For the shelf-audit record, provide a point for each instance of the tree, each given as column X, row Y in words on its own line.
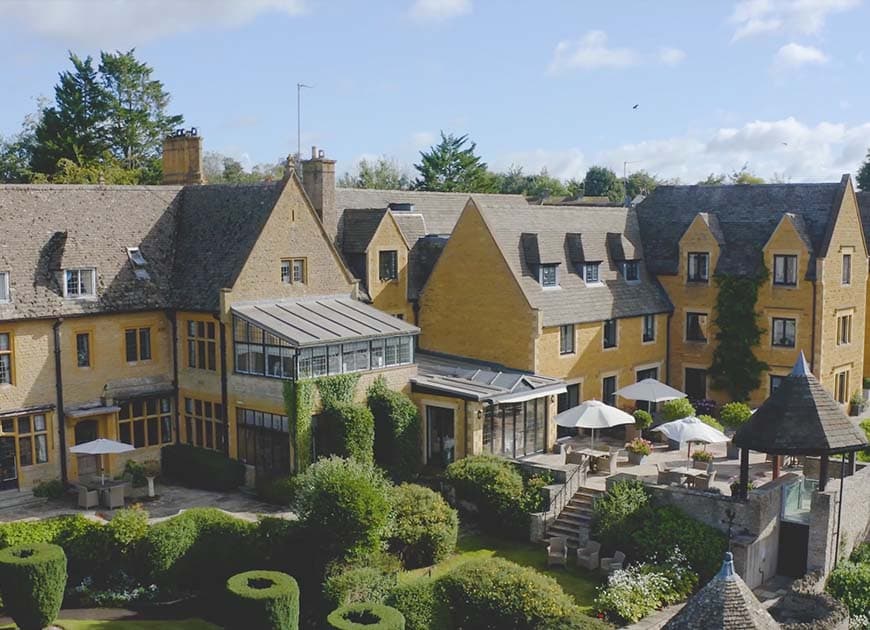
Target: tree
column 381, row 174
column 575, row 187
column 745, row 176
column 713, row 180
column 16, row 151
column 864, row 174
column 137, row 103
column 512, row 181
column 452, row 166
column 542, row 185
column 640, row 183
column 223, row 169
column 602, row 182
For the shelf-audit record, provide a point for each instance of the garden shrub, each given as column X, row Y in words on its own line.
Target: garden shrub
column 359, row 584
column 397, row 431
column 53, row 489
column 676, row 409
column 864, row 455
column 347, row 503
column 734, row 414
column 263, row 599
column 32, row 583
column 276, row 490
column 642, row 419
column 348, row 430
column 850, row 583
column 135, row 472
column 533, row 499
column 336, row 389
column 366, row 616
column 495, row 487
column 616, row 513
column 493, row 593
column 632, row 593
column 861, row 553
column 711, row 421
column 419, row 603
column 425, row 527
column 201, row 467
column 704, row 406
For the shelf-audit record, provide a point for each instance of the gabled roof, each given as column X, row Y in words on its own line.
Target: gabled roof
column 47, row 228
column 357, row 227
column 556, row 229
column 800, row 418
column 746, row 214
column 864, row 209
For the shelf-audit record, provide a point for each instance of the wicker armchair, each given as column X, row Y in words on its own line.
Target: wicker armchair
column 587, row 557
column 609, row 565
column 557, row 552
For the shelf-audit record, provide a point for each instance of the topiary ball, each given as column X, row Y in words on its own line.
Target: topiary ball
column 263, row 599
column 366, row 617
column 32, row 582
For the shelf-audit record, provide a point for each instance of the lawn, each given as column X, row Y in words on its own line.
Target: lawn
column 578, row 583
column 188, row 624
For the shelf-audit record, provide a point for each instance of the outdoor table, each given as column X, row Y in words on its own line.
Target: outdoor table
column 689, row 473
column 102, row 487
column 591, row 452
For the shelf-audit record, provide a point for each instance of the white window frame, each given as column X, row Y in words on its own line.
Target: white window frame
column 636, row 265
column 285, row 271
column 773, row 336
column 692, row 264
column 592, row 267
column 555, row 269
column 5, row 289
column 567, row 339
column 615, row 334
column 643, row 328
column 785, row 258
column 91, row 292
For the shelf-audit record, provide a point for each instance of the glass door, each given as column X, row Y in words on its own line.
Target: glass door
column 441, row 443
column 8, row 468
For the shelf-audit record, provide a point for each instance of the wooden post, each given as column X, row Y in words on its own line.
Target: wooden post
column 823, row 472
column 744, row 473
column 777, row 461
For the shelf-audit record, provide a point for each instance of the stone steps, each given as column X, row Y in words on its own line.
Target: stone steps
column 574, row 520
column 18, row 499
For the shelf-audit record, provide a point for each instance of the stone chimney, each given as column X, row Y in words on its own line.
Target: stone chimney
column 318, row 179
column 182, row 158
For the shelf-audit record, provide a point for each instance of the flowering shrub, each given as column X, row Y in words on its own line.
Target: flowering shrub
column 850, row 583
column 639, row 446
column 702, row 456
column 123, row 591
column 633, row 593
column 704, row 406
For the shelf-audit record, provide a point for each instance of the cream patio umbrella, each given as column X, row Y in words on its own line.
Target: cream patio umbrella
column 101, row 446
column 593, row 414
column 690, row 430
column 649, row 389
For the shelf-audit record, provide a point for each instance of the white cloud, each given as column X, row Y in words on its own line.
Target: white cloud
column 126, row 23
column 439, row 10
column 422, row 139
column 756, row 17
column 788, row 147
column 589, row 53
column 794, row 55
column 671, row 56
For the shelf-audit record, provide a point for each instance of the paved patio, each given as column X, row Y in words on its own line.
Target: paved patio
column 170, row 501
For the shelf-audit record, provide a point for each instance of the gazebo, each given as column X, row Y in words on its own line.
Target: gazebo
column 799, row 418
column 725, row 603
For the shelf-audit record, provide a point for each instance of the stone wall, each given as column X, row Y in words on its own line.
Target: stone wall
column 807, row 607
column 566, row 482
column 823, row 520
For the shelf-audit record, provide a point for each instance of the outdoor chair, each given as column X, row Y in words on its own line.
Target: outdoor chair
column 557, row 552
column 609, row 565
column 702, row 482
column 574, row 457
column 88, row 498
column 587, row 557
column 115, row 497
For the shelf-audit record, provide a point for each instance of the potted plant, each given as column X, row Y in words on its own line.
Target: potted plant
column 152, row 470
column 867, row 388
column 638, row 449
column 702, row 456
column 642, row 420
column 735, row 487
column 732, row 416
column 856, row 404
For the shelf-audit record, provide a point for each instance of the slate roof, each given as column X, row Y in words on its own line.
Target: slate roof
column 724, row 603
column 800, row 418
column 218, row 226
column 478, row 380
column 322, row 320
column 46, row 228
column 357, row 226
column 864, row 208
column 746, row 215
column 421, row 261
column 573, row 301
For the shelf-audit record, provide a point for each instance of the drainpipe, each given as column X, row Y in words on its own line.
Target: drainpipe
column 668, row 350
column 224, row 395
column 293, row 402
column 58, row 384
column 813, row 334
column 172, row 316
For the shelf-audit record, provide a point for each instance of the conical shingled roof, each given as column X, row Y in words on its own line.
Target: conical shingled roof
column 725, row 603
column 800, row 418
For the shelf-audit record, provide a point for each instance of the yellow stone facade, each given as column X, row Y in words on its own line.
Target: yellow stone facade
column 390, row 296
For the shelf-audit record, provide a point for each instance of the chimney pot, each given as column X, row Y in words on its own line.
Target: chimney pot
column 313, row 152
column 182, row 158
column 318, row 179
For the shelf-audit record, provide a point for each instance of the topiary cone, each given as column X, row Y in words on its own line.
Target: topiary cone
column 266, row 600
column 366, row 617
column 32, row 582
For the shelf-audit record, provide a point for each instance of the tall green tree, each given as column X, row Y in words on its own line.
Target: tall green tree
column 542, row 185
column 452, row 166
column 575, row 187
column 640, row 183
column 511, row 182
column 76, row 126
column 136, row 113
column 381, row 173
column 864, row 174
column 603, row 182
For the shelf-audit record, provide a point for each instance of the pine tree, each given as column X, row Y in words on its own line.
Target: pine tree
column 864, row 174
column 451, row 166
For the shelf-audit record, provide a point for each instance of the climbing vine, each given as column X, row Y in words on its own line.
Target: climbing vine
column 338, row 388
column 300, row 408
column 735, row 367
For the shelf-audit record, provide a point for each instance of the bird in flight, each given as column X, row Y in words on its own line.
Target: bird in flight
column 636, row 106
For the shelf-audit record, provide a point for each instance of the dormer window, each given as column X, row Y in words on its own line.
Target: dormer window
column 79, row 283
column 785, row 271
column 137, row 260
column 548, row 278
column 631, row 271
column 5, row 296
column 591, row 273
column 699, row 267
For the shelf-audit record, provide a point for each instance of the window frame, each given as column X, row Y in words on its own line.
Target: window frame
column 198, row 424
column 392, row 266
column 90, row 349
column 842, row 380
column 595, row 267
column 643, row 328
column 614, row 322
column 32, row 436
column 785, row 258
column 770, row 388
column 289, row 267
column 631, row 264
column 704, row 330
column 844, row 329
column 541, row 272
column 846, row 275
column 784, row 322
column 92, row 290
column 567, row 339
column 5, row 287
column 697, row 278
column 201, row 350
column 162, row 415
column 612, row 396
column 138, row 330
column 9, row 352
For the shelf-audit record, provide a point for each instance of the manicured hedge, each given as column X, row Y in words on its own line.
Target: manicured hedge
column 32, row 582
column 496, row 488
column 366, row 617
column 397, row 431
column 420, row 604
column 734, row 414
column 263, row 599
column 677, row 408
column 201, row 467
column 356, row 585
column 348, row 430
column 425, row 528
column 493, row 593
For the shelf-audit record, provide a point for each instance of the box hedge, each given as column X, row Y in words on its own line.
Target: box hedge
column 420, row 604
column 397, row 431
column 496, row 488
column 366, row 617
column 201, row 468
column 425, row 527
column 32, row 583
column 262, row 599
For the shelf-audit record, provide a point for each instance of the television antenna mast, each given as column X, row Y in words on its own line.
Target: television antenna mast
column 299, row 88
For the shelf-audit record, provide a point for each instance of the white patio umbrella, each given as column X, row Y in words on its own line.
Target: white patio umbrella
column 690, row 430
column 593, row 414
column 649, row 389
column 101, row 446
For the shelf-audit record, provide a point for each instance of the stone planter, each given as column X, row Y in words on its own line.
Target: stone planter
column 856, row 409
column 733, row 451
column 631, row 432
column 151, row 492
column 636, row 459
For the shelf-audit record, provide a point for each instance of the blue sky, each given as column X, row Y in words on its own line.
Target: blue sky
column 778, row 84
